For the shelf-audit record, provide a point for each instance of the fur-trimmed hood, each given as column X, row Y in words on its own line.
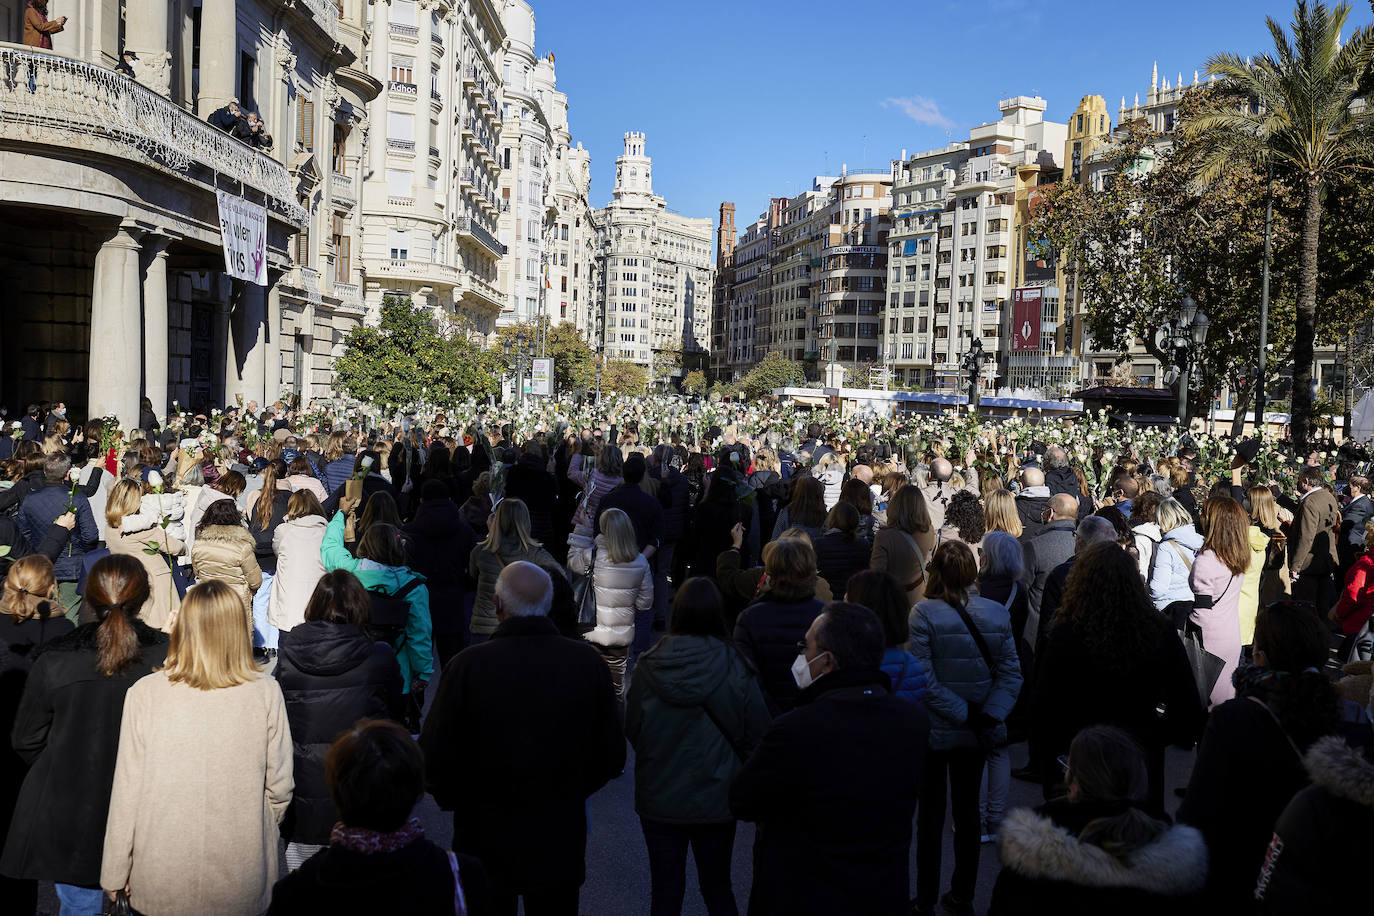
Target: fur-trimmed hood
column 1341, row 770
column 225, row 534
column 1032, row 845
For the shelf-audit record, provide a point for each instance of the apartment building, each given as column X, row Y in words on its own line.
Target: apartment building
column 430, row 202
column 958, row 248
column 721, row 292
column 850, row 285
column 110, row 191
column 654, row 273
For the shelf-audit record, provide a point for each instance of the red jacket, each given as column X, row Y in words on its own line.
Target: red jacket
column 1357, row 598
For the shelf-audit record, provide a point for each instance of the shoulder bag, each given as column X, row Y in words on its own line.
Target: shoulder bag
column 985, row 734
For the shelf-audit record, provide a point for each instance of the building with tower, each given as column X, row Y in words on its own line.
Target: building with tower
column 654, row 274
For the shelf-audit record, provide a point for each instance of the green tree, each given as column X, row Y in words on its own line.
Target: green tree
column 773, row 371
column 694, row 383
column 623, row 377
column 1295, row 112
column 574, row 362
column 405, row 359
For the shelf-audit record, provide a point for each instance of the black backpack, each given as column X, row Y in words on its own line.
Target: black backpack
column 390, row 612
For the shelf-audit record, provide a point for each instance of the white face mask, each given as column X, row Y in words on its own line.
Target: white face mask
column 801, row 670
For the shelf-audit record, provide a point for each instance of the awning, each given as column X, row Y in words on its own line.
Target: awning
column 909, row 247
column 810, row 400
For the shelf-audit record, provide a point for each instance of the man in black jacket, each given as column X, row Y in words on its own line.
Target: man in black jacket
column 226, row 118
column 673, row 497
column 523, row 729
column 833, row 786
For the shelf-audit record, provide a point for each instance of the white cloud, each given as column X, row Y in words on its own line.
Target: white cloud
column 921, row 110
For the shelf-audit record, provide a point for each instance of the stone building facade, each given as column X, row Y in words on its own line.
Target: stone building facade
column 113, row 257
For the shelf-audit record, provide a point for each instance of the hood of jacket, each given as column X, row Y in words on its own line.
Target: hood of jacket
column 1341, row 770
column 685, row 670
column 389, row 579
column 325, row 649
column 1174, row 865
column 306, row 523
column 1040, row 492
column 1186, row 535
column 1258, row 539
column 1062, row 480
column 762, row 478
column 225, row 534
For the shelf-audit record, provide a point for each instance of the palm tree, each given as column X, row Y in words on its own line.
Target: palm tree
column 1295, row 112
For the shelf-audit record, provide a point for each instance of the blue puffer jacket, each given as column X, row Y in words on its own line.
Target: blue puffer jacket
column 957, row 676
column 908, row 677
column 41, row 508
column 1169, row 577
column 338, row 471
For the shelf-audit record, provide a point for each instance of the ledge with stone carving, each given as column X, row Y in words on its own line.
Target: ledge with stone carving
column 57, row 101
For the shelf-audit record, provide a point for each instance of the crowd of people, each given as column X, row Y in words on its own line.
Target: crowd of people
column 257, row 638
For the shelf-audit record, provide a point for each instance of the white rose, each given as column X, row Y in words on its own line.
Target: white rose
column 154, row 479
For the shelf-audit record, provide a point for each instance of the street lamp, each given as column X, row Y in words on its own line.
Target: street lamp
column 972, row 364
column 1185, row 334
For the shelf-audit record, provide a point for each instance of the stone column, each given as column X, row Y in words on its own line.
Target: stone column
column 155, row 323
column 146, row 33
column 424, row 130
column 218, row 55
column 115, row 329
column 244, row 369
column 271, row 389
column 222, row 362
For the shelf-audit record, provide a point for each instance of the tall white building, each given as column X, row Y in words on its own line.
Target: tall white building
column 430, row 199
column 654, row 268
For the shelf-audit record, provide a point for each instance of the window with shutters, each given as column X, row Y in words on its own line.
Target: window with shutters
column 341, row 242
column 303, row 246
column 340, row 161
column 402, row 70
column 305, row 124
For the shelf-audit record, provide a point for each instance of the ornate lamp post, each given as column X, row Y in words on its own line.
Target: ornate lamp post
column 1185, row 334
column 972, row 364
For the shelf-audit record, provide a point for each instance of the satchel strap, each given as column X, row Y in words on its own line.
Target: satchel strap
column 460, row 903
column 977, row 636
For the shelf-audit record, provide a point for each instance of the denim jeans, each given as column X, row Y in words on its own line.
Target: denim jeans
column 79, row 901
column 992, row 804
column 264, row 634
column 712, row 847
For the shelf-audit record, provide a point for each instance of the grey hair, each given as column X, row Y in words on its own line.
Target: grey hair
column 1161, row 485
column 1170, row 514
column 524, row 590
column 1003, row 555
column 1056, row 457
column 1094, row 530
column 789, row 444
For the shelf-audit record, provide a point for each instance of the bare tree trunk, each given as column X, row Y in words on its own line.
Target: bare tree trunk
column 1247, row 395
column 1305, row 326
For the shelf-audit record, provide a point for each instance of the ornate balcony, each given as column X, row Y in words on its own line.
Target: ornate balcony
column 57, row 101
column 468, row 226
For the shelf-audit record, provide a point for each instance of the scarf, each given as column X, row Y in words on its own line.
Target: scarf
column 44, row 39
column 369, row 842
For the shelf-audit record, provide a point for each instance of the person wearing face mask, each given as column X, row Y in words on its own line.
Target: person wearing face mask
column 834, row 783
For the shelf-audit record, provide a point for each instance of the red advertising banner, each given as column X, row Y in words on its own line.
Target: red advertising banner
column 1026, row 303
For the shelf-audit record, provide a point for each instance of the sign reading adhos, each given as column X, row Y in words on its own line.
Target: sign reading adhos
column 243, row 227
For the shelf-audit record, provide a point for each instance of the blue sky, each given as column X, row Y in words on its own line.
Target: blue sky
column 746, row 100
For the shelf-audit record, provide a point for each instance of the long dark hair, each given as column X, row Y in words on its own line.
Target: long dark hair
column 698, row 610
column 1295, row 647
column 1106, row 603
column 880, row 592
column 116, row 588
column 807, row 507
column 339, row 597
column 262, row 509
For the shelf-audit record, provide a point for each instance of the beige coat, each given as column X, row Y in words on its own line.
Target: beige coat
column 160, row 610
column 226, row 552
column 903, row 556
column 201, row 782
column 299, row 569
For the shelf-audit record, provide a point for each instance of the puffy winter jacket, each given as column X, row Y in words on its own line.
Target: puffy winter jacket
column 337, row 472
column 1146, row 536
column 153, row 508
column 485, row 567
column 1356, row 604
column 832, row 478
column 621, row 589
column 908, row 677
column 414, row 649
column 331, row 675
column 957, row 677
column 694, row 714
column 1169, row 579
column 767, row 633
column 838, row 558
column 226, row 552
column 306, row 482
column 41, row 508
column 296, row 544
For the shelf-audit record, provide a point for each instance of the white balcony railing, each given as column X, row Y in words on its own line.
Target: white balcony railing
column 326, row 16
column 45, row 98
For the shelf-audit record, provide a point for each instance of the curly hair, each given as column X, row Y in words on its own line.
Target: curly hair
column 965, row 513
column 1106, row 603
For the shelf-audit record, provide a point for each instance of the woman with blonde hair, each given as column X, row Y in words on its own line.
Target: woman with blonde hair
column 1178, row 546
column 133, row 533
column 296, row 544
column 30, row 613
column 902, row 546
column 623, row 585
column 1001, row 514
column 830, row 472
column 206, row 737
column 1217, row 577
column 507, row 540
column 1274, row 581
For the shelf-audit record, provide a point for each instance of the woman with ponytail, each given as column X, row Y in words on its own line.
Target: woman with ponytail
column 1097, row 850
column 30, row 613
column 266, row 511
column 67, row 730
column 1250, row 763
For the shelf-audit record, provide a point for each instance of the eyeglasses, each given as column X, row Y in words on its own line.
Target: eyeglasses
column 801, row 646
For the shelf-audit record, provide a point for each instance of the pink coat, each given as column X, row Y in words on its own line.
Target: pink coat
column 1220, row 624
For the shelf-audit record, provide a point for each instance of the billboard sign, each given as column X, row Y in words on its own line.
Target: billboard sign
column 1039, row 262
column 1026, row 305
